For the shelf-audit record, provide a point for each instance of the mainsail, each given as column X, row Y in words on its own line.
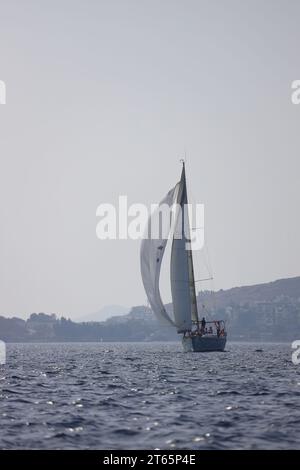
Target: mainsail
column 182, row 271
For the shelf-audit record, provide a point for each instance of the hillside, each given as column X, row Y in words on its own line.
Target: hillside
column 268, row 292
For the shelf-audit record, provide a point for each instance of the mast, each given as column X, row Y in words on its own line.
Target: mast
column 193, row 298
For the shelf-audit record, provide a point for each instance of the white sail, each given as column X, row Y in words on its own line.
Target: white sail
column 182, row 276
column 152, row 251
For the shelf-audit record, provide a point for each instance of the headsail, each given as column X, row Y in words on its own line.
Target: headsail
column 152, row 251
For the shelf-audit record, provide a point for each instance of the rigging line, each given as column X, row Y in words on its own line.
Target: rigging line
column 206, row 279
column 206, row 259
column 196, row 280
column 212, row 290
column 208, row 267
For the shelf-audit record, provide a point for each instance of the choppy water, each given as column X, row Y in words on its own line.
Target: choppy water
column 130, row 396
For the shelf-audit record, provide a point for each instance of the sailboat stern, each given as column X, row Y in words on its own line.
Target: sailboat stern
column 208, row 343
column 203, row 344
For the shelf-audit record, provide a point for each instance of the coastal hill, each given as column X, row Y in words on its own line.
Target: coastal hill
column 263, row 312
column 268, row 292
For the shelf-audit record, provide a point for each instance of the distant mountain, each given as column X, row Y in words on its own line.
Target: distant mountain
column 104, row 313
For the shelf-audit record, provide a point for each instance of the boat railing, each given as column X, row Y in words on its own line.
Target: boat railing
column 215, row 327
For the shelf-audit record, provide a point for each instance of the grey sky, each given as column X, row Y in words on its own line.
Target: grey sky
column 102, row 99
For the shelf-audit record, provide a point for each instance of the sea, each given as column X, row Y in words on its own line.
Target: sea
column 149, row 396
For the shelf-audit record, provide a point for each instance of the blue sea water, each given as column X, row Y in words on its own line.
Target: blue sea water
column 149, row 395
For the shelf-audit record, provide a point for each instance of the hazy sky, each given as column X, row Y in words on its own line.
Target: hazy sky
column 103, row 97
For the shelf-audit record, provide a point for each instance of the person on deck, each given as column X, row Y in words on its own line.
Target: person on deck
column 203, row 324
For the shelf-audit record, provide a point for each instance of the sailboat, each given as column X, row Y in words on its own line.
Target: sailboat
column 197, row 335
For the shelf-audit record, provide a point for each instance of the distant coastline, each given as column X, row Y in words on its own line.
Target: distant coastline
column 264, row 312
